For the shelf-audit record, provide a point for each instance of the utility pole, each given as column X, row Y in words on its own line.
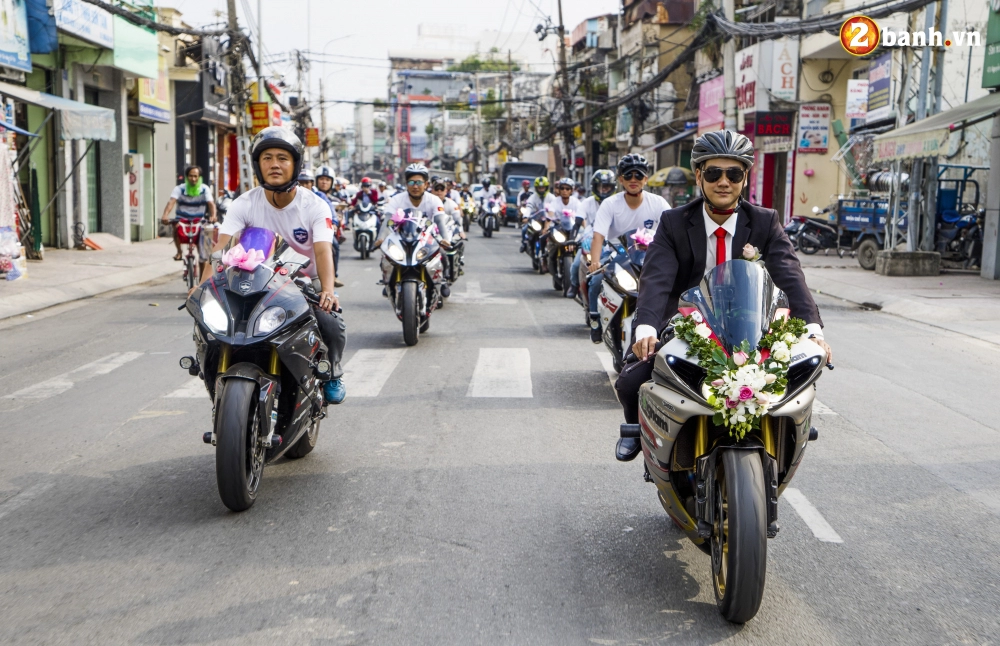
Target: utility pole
column 729, row 68
column 588, row 135
column 508, row 129
column 567, row 103
column 322, row 124
column 236, row 80
column 261, row 90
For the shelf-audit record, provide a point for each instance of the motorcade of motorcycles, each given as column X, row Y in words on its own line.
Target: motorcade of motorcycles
column 452, row 249
column 563, row 242
column 489, row 216
column 722, row 491
column 412, row 271
column 619, row 292
column 365, row 224
column 259, row 351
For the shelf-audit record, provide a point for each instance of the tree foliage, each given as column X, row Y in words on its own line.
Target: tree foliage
column 490, row 63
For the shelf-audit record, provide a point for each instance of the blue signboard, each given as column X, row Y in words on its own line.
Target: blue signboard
column 14, row 45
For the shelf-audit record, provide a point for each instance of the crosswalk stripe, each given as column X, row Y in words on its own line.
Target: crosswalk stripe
column 368, row 370
column 820, row 528
column 61, row 383
column 194, row 388
column 501, row 372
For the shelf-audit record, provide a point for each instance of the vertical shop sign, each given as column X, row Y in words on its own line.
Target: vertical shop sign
column 135, row 191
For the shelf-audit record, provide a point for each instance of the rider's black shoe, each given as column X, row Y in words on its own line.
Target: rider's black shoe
column 524, row 247
column 627, row 448
column 446, row 290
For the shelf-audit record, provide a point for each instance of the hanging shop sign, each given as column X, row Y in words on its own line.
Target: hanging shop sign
column 748, row 89
column 991, row 64
column 85, row 21
column 214, row 77
column 879, row 88
column 14, row 48
column 135, row 191
column 814, row 128
column 784, row 68
column 154, row 94
column 773, row 131
column 710, row 116
column 260, row 116
column 857, row 99
column 312, row 137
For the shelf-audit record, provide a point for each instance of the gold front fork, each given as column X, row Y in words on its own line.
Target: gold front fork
column 767, row 434
column 274, row 367
column 224, row 358
column 701, row 437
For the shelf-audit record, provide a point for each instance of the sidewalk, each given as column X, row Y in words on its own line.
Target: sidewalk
column 68, row 275
column 957, row 301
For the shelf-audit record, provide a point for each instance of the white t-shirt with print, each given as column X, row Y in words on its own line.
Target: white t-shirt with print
column 574, row 205
column 536, row 203
column 429, row 206
column 302, row 223
column 614, row 217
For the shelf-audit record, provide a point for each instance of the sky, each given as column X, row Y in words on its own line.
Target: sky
column 366, row 30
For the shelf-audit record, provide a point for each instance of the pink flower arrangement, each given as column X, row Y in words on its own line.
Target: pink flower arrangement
column 739, row 358
column 243, row 259
column 746, row 393
column 643, row 237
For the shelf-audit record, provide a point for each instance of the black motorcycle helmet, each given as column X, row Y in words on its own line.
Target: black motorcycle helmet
column 602, row 177
column 277, row 137
column 633, row 162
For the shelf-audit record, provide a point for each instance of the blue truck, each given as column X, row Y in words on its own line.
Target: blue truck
column 511, row 176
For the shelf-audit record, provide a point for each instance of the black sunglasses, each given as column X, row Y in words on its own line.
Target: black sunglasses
column 713, row 174
column 633, row 175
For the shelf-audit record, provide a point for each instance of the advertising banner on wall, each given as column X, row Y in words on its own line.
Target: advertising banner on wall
column 135, row 191
column 991, row 64
column 814, row 127
column 260, row 116
column 710, row 117
column 154, row 95
column 14, row 44
column 857, row 99
column 85, row 21
column 880, row 88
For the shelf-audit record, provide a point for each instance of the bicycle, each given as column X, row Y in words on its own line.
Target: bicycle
column 192, row 233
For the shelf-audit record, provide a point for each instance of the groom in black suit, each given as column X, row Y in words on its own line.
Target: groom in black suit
column 696, row 237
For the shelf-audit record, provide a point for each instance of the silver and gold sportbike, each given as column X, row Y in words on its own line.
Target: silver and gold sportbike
column 721, row 491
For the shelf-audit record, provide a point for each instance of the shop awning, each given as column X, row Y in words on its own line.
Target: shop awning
column 929, row 137
column 78, row 120
column 680, row 136
column 12, row 127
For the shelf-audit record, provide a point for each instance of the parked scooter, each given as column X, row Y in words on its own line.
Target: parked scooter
column 412, row 271
column 814, row 235
column 959, row 239
column 722, row 491
column 260, row 353
column 365, row 224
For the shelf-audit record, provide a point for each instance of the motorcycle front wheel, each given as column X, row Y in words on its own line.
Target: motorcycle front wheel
column 739, row 536
column 239, row 455
column 189, row 268
column 411, row 320
column 567, row 272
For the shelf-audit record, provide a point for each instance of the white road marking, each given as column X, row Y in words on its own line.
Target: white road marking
column 368, row 370
column 474, row 294
column 501, row 372
column 820, row 528
column 193, row 388
column 61, row 383
column 819, row 408
column 609, row 367
column 149, row 414
column 23, row 498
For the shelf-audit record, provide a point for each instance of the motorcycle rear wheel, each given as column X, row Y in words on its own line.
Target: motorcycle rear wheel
column 804, row 246
column 306, row 443
column 411, row 320
column 239, row 457
column 739, row 537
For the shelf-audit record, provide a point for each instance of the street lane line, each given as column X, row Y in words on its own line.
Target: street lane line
column 819, row 408
column 820, row 528
column 368, row 370
column 501, row 372
column 61, row 383
column 609, row 367
column 23, row 498
column 474, row 294
column 193, row 388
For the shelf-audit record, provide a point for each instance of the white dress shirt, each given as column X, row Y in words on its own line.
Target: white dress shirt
column 711, row 226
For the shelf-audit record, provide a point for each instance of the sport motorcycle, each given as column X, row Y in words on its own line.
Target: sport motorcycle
column 489, row 217
column 722, row 491
column 619, row 292
column 535, row 240
column 562, row 246
column 365, row 223
column 452, row 250
column 412, row 271
column 259, row 351
column 468, row 213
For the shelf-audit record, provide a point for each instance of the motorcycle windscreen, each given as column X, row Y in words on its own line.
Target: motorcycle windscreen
column 738, row 300
column 409, row 230
column 248, row 271
column 635, row 252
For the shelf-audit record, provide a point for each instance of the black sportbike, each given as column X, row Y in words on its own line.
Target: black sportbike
column 260, row 353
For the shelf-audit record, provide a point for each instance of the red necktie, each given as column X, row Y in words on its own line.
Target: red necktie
column 720, row 246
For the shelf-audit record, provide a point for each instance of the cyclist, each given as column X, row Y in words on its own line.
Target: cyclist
column 193, row 200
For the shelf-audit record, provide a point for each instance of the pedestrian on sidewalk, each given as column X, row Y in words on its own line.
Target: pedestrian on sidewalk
column 194, row 201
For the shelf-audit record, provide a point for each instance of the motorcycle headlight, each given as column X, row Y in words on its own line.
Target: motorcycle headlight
column 536, row 225
column 559, row 236
column 395, row 252
column 422, row 253
column 496, row 208
column 213, row 315
column 625, row 279
column 269, row 321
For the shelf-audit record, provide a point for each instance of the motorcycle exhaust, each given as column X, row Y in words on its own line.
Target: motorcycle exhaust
column 629, row 431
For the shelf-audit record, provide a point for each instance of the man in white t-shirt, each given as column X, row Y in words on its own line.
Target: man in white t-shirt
column 415, row 197
column 304, row 220
column 633, row 208
column 602, row 186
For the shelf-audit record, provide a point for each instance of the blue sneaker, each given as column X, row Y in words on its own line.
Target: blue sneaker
column 334, row 391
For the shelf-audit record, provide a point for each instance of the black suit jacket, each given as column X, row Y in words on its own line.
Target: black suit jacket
column 675, row 261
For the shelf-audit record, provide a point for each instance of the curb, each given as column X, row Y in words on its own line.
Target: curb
column 50, row 296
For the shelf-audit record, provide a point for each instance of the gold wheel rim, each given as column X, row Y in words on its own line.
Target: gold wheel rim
column 720, row 537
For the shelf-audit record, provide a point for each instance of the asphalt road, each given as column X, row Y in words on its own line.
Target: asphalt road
column 429, row 516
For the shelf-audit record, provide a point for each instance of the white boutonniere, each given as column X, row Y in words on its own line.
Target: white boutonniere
column 751, row 253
